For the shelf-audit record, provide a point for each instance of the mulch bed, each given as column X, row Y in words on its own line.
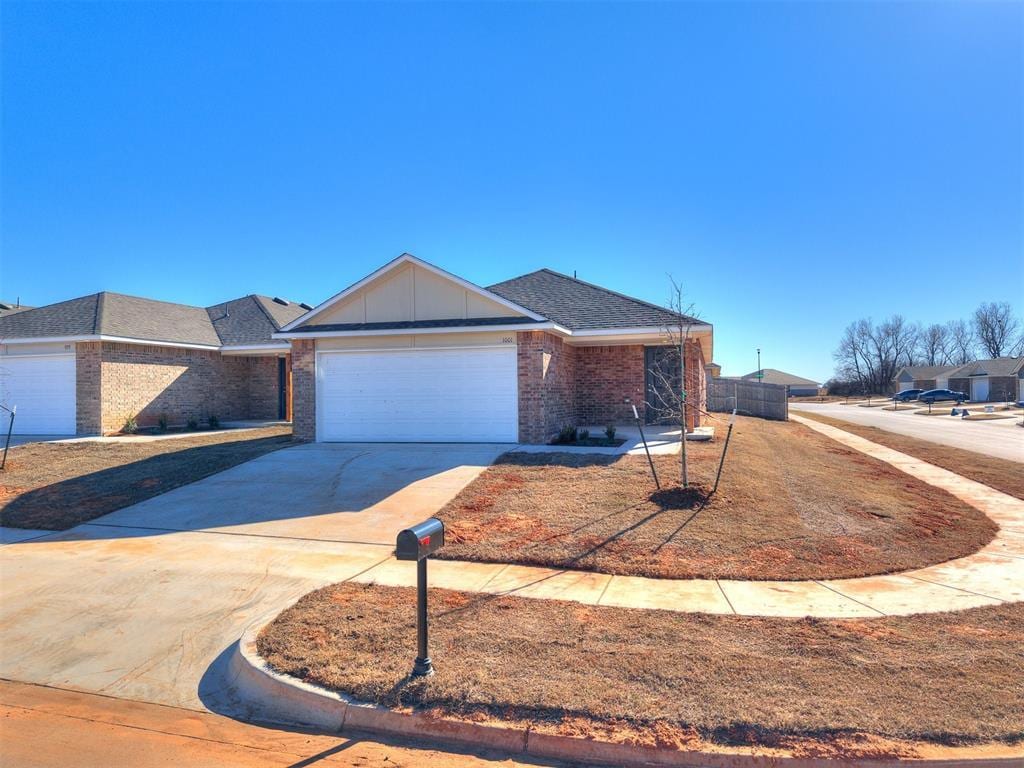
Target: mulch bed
column 55, row 486
column 1002, row 474
column 659, row 677
column 792, row 505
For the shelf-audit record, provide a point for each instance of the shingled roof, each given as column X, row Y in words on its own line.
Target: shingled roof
column 775, row 376
column 578, row 305
column 247, row 320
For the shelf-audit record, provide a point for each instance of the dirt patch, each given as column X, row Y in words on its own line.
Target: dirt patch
column 1002, row 474
column 792, row 505
column 658, row 677
column 55, row 486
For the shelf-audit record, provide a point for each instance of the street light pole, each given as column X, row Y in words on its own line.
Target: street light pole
column 760, row 373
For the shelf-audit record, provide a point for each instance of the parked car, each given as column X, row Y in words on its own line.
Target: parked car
column 940, row 395
column 907, row 395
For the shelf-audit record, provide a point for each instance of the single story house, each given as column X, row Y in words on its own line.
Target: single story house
column 993, row 380
column 922, row 377
column 86, row 365
column 414, row 353
column 797, row 385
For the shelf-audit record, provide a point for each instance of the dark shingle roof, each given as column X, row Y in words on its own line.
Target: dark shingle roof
column 413, row 324
column 998, row 366
column 926, row 371
column 775, row 376
column 75, row 317
column 249, row 320
column 578, row 305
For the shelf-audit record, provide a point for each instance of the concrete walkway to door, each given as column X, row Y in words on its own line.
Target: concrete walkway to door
column 993, row 575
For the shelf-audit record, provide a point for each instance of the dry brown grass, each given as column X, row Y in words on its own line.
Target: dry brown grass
column 56, row 486
column 1002, row 474
column 792, row 504
column 662, row 676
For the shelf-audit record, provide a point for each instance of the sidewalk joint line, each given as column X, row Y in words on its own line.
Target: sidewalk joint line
column 958, row 589
column 727, row 600
column 232, row 533
column 859, row 602
column 606, row 585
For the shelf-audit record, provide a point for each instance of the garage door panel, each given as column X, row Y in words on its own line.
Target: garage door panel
column 451, row 395
column 42, row 388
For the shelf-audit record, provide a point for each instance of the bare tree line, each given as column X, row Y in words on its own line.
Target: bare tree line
column 869, row 355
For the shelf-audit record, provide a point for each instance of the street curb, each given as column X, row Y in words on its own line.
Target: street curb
column 286, row 700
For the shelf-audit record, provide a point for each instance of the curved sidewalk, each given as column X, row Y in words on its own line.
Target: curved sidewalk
column 993, row 575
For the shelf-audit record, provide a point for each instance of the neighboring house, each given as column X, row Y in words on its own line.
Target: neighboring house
column 9, row 308
column 994, row 380
column 414, row 353
column 797, row 385
column 923, row 377
column 85, row 365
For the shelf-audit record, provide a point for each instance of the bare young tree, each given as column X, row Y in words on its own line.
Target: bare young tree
column 961, row 342
column 668, row 373
column 933, row 345
column 996, row 327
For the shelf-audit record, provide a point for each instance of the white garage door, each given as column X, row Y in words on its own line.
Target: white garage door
column 979, row 390
column 418, row 395
column 905, row 385
column 43, row 389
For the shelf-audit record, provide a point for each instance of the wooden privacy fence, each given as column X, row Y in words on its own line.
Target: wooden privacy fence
column 750, row 398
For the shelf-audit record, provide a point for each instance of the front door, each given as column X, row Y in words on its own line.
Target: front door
column 663, row 382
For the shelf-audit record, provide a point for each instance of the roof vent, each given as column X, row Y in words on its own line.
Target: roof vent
column 305, row 306
column 279, row 300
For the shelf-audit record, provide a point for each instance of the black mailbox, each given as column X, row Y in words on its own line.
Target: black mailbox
column 420, row 541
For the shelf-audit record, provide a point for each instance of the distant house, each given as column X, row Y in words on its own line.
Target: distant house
column 10, row 307
column 994, row 380
column 923, row 377
column 798, row 386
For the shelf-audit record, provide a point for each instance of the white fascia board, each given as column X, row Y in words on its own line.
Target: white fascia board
column 48, row 339
column 638, row 331
column 418, row 331
column 243, row 349
column 408, row 258
column 104, row 337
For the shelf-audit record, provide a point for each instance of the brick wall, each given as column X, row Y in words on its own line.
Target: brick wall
column 605, row 378
column 304, row 389
column 87, row 388
column 1000, row 388
column 547, row 385
column 696, row 384
column 153, row 381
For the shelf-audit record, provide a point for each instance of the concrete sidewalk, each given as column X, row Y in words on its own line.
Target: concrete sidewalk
column 990, row 576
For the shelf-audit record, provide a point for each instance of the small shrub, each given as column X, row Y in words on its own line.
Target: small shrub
column 609, row 431
column 584, row 434
column 192, row 424
column 567, row 435
column 213, row 422
column 162, row 422
column 131, row 426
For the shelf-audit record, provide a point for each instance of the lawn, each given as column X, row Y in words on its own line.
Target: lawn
column 55, row 486
column 1002, row 474
column 665, row 677
column 792, row 505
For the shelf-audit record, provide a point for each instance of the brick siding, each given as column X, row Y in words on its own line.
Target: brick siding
column 547, row 378
column 1000, row 388
column 116, row 381
column 304, row 389
column 606, row 377
column 87, row 388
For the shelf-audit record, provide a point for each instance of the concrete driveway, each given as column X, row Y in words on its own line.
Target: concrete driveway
column 144, row 604
column 1000, row 438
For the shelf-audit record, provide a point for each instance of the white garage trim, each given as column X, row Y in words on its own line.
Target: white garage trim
column 43, row 389
column 418, row 394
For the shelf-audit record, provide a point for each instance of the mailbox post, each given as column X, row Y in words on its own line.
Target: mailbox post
column 418, row 543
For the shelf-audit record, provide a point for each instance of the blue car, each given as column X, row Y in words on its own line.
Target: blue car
column 942, row 395
column 907, row 395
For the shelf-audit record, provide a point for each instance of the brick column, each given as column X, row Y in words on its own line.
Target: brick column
column 88, row 399
column 304, row 389
column 696, row 384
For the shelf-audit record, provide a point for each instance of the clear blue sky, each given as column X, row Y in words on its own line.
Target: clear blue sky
column 778, row 159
